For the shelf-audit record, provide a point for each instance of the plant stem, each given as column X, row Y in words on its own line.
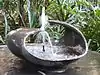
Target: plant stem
column 29, row 12
column 6, row 24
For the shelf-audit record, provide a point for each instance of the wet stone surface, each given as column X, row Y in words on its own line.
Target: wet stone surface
column 11, row 65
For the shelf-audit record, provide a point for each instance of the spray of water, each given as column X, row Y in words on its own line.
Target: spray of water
column 43, row 34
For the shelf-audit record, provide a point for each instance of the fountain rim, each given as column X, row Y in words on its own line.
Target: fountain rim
column 67, row 25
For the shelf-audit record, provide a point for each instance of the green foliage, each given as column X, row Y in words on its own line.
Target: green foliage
column 79, row 13
column 33, row 19
column 58, row 10
column 92, row 30
column 1, row 4
column 97, row 12
column 1, row 40
column 56, row 31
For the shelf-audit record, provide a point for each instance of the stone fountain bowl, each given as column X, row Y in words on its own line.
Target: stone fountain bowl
column 70, row 47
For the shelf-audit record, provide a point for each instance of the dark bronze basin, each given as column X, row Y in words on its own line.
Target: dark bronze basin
column 71, row 46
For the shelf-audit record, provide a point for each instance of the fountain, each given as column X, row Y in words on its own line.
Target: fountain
column 70, row 47
column 37, row 46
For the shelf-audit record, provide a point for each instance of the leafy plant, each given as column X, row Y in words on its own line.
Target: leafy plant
column 92, row 30
column 1, row 39
column 80, row 13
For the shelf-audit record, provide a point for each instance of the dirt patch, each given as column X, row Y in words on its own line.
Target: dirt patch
column 7, row 61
